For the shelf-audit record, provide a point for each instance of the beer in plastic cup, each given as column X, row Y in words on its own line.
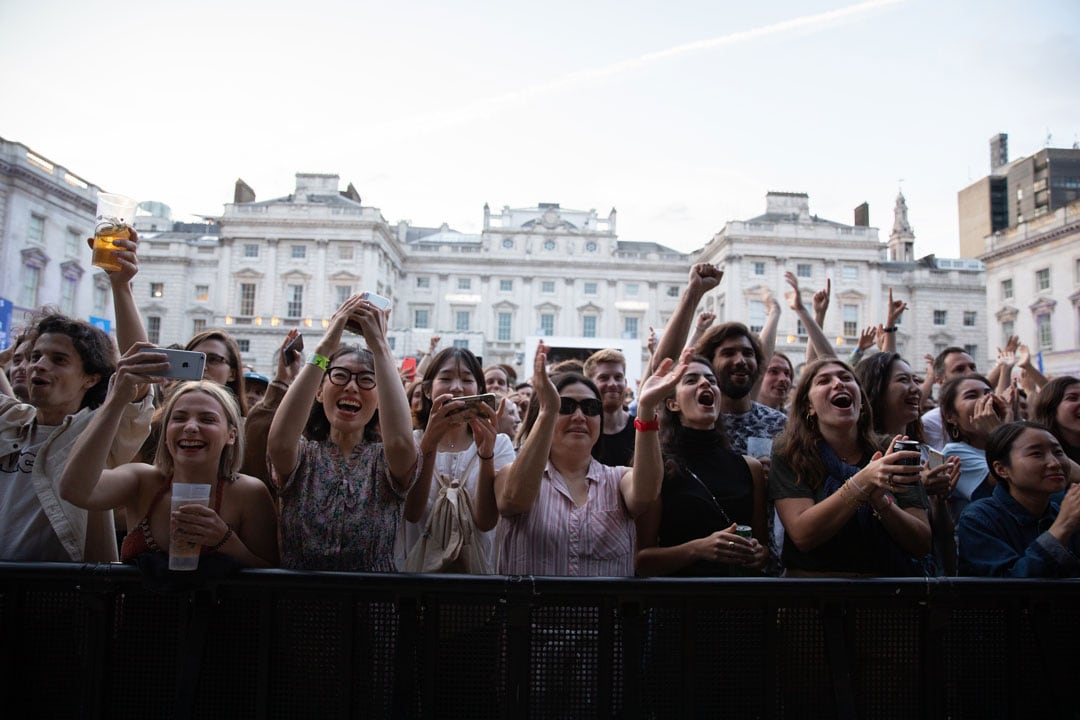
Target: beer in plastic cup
column 113, row 220
column 184, row 555
column 758, row 447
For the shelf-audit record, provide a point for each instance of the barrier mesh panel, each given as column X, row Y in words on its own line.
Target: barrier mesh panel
column 564, row 662
column 53, row 658
column 803, row 682
column 375, row 626
column 146, row 631
column 468, row 671
column 886, row 670
column 977, row 663
column 228, row 680
column 306, row 674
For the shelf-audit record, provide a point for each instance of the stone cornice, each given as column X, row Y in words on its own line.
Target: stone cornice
column 1031, row 242
column 18, row 172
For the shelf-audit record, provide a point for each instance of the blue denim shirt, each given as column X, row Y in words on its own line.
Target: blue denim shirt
column 997, row 537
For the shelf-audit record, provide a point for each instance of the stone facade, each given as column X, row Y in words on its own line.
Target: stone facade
column 756, row 253
column 46, row 214
column 1033, row 286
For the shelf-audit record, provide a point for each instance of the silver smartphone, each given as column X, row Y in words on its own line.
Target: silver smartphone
column 472, row 401
column 377, row 300
column 183, row 364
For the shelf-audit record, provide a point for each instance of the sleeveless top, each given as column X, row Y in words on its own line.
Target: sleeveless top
column 140, row 539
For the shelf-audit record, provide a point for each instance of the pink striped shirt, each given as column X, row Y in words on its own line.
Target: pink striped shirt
column 557, row 537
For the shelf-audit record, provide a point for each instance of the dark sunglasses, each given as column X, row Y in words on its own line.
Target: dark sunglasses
column 590, row 407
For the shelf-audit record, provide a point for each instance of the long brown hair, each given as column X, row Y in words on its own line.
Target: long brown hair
column 232, row 349
column 798, row 443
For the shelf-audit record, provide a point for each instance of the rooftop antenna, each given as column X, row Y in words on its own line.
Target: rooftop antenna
column 1049, row 137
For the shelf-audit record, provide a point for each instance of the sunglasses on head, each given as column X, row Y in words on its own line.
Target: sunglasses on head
column 590, row 407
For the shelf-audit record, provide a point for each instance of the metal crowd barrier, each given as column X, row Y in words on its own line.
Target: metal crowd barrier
column 90, row 641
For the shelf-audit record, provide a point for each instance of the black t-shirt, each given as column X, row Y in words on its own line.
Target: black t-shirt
column 616, row 449
column 691, row 507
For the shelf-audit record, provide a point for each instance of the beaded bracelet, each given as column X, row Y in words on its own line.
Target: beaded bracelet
column 228, row 534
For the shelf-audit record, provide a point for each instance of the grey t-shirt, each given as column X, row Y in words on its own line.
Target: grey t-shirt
column 25, row 530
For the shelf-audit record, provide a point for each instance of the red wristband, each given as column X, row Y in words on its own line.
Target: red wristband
column 646, row 425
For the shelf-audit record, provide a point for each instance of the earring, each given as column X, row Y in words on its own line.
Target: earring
column 811, row 420
column 954, row 431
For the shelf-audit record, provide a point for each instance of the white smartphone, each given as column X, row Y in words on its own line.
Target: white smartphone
column 377, row 300
column 183, row 364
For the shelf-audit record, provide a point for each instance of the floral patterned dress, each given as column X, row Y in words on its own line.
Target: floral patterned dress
column 341, row 512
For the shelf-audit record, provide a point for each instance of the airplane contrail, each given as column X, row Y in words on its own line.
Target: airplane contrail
column 487, row 106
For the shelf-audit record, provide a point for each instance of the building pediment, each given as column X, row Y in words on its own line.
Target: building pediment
column 248, row 273
column 1007, row 313
column 504, row 305
column 155, row 307
column 342, row 275
column 35, row 257
column 296, row 275
column 71, row 269
column 548, row 307
column 200, row 312
column 851, row 295
column 941, row 336
column 1042, row 305
column 1075, row 298
column 591, row 308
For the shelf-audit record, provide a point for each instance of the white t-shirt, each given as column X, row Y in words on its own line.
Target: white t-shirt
column 465, row 466
column 25, row 530
column 933, row 429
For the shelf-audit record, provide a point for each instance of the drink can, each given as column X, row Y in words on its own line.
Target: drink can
column 908, row 446
column 744, row 531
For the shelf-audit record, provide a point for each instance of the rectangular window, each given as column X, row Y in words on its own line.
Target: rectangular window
column 101, row 299
column 345, row 252
column 547, row 324
column 941, row 317
column 547, row 287
column 31, row 279
column 464, row 284
column 804, row 270
column 590, row 289
column 294, row 305
column 1044, row 332
column 632, row 289
column 463, row 344
column 153, row 329
column 74, row 243
column 67, row 298
column 35, row 229
column 759, row 268
column 198, row 325
column 1008, row 329
column 851, row 272
column 202, row 293
column 673, row 291
column 461, row 320
column 157, row 290
column 420, row 318
column 851, row 321
column 969, row 320
column 247, row 299
column 504, row 325
column 630, row 328
column 251, row 250
column 244, row 344
column 423, row 283
column 1076, row 275
column 506, row 286
column 341, row 294
column 588, row 326
column 1042, row 279
column 756, row 315
column 298, row 252
column 972, row 350
column 800, row 329
column 1006, row 289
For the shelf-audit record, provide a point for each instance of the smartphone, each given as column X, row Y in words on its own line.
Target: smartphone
column 933, row 457
column 472, row 401
column 183, row 364
column 377, row 300
column 293, row 349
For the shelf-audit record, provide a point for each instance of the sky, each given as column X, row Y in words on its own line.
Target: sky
column 681, row 115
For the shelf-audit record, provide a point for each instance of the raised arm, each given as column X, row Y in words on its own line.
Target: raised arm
column 640, row 486
column 767, row 337
column 395, row 420
column 86, row 482
column 819, row 345
column 425, row 359
column 1023, row 361
column 517, row 489
column 892, row 317
column 704, row 322
column 703, row 277
column 257, row 423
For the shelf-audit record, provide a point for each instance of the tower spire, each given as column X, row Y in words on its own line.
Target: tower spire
column 902, row 237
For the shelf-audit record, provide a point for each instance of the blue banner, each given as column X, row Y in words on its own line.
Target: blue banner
column 6, row 306
column 101, row 323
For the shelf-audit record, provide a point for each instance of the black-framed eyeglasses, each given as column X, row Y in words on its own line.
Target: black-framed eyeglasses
column 590, row 407
column 365, row 380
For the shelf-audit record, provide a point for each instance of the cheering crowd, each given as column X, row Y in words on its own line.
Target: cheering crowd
column 731, row 459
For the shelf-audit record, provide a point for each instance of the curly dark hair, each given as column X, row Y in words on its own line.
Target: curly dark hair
column 95, row 348
column 717, row 335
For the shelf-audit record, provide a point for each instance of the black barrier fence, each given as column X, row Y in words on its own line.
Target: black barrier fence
column 91, row 641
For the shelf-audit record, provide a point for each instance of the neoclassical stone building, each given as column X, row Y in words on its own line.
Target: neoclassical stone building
column 946, row 297
column 289, row 262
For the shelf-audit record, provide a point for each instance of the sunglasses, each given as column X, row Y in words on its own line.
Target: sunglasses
column 341, row 376
column 215, row 359
column 590, row 407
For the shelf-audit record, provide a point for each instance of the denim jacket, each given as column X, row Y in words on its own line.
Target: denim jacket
column 86, row 536
column 997, row 537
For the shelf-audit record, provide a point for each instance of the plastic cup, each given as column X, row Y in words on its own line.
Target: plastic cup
column 183, row 554
column 112, row 222
column 758, row 447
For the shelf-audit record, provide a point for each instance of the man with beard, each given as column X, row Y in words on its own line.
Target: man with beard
column 607, row 368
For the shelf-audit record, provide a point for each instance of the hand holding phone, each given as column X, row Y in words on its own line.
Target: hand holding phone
column 291, row 351
column 183, row 364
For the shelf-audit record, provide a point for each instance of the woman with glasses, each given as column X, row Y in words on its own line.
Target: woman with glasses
column 563, row 513
column 222, row 363
column 709, row 491
column 342, row 490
